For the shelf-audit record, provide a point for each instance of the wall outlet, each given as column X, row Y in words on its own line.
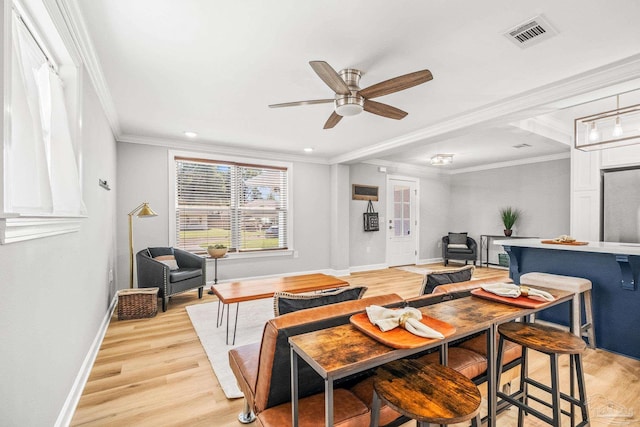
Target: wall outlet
column 368, row 249
column 110, row 275
column 295, row 254
column 439, row 243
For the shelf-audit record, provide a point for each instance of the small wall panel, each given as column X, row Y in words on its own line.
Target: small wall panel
column 364, row 192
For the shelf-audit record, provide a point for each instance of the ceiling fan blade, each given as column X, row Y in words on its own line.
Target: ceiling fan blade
column 333, row 120
column 397, row 84
column 330, row 77
column 384, row 110
column 294, row 104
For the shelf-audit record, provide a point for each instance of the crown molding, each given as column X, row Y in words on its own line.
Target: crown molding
column 211, row 147
column 426, row 171
column 527, row 104
column 74, row 21
column 511, row 163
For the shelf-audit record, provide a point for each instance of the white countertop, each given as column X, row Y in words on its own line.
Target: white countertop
column 602, row 247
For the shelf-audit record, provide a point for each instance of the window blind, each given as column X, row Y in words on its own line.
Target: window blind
column 244, row 207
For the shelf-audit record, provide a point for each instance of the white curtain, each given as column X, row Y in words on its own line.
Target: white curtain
column 43, row 171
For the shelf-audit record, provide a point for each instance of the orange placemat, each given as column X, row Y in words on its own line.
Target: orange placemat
column 521, row 301
column 400, row 337
column 553, row 242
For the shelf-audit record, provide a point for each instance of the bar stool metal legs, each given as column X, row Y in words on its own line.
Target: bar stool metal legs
column 553, row 342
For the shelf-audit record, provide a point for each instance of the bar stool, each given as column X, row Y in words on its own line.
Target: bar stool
column 578, row 286
column 428, row 393
column 553, row 342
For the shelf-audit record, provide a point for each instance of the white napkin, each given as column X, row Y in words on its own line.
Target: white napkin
column 514, row 291
column 387, row 319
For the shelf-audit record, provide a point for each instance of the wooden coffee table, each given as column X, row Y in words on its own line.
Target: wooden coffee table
column 249, row 290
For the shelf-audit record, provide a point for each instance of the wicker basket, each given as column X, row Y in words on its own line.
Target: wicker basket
column 137, row 303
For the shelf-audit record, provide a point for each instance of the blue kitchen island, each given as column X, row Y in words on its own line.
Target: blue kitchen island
column 613, row 269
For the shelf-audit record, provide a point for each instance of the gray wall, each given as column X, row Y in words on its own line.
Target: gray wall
column 143, row 176
column 56, row 291
column 433, row 222
column 539, row 190
column 367, row 247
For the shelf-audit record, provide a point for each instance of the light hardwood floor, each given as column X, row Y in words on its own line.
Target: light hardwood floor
column 154, row 372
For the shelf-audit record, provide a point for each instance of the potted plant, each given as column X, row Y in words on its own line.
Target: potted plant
column 509, row 217
column 217, row 250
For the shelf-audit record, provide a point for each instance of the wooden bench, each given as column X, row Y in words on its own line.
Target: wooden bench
column 249, row 290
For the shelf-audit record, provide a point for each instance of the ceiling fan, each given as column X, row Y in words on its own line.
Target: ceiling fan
column 350, row 100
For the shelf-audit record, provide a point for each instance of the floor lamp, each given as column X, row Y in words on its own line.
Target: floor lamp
column 142, row 211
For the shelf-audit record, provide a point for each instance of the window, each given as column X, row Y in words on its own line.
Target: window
column 242, row 206
column 40, row 181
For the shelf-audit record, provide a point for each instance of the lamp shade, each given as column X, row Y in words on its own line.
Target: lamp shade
column 146, row 210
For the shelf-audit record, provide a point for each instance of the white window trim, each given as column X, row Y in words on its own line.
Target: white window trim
column 172, row 154
column 21, row 226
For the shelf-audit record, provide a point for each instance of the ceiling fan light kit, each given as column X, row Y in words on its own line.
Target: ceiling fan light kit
column 442, row 159
column 350, row 100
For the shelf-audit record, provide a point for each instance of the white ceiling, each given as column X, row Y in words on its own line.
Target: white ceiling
column 164, row 67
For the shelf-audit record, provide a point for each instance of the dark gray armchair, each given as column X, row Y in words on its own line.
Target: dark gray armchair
column 152, row 273
column 460, row 247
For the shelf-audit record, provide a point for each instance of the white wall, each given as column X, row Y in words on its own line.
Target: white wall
column 143, row 177
column 56, row 292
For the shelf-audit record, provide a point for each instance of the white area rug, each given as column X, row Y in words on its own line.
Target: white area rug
column 417, row 270
column 251, row 319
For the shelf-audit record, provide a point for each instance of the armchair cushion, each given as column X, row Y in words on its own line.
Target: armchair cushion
column 458, row 239
column 286, row 302
column 457, row 246
column 168, row 260
column 184, row 274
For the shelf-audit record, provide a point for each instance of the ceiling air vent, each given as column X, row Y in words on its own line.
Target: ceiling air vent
column 530, row 32
column 523, row 145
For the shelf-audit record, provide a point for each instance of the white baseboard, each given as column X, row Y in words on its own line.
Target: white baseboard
column 430, row 261
column 70, row 404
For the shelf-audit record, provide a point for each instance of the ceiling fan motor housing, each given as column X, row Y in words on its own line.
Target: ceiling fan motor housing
column 352, row 104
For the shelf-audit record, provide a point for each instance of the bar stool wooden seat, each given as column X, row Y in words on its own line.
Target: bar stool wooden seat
column 553, row 342
column 577, row 285
column 428, row 393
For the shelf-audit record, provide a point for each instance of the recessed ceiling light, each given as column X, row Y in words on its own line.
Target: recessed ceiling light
column 190, row 134
column 308, row 150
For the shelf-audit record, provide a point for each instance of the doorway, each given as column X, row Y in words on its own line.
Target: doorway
column 402, row 221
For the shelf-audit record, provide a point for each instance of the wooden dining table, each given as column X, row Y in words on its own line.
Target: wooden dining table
column 344, row 350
